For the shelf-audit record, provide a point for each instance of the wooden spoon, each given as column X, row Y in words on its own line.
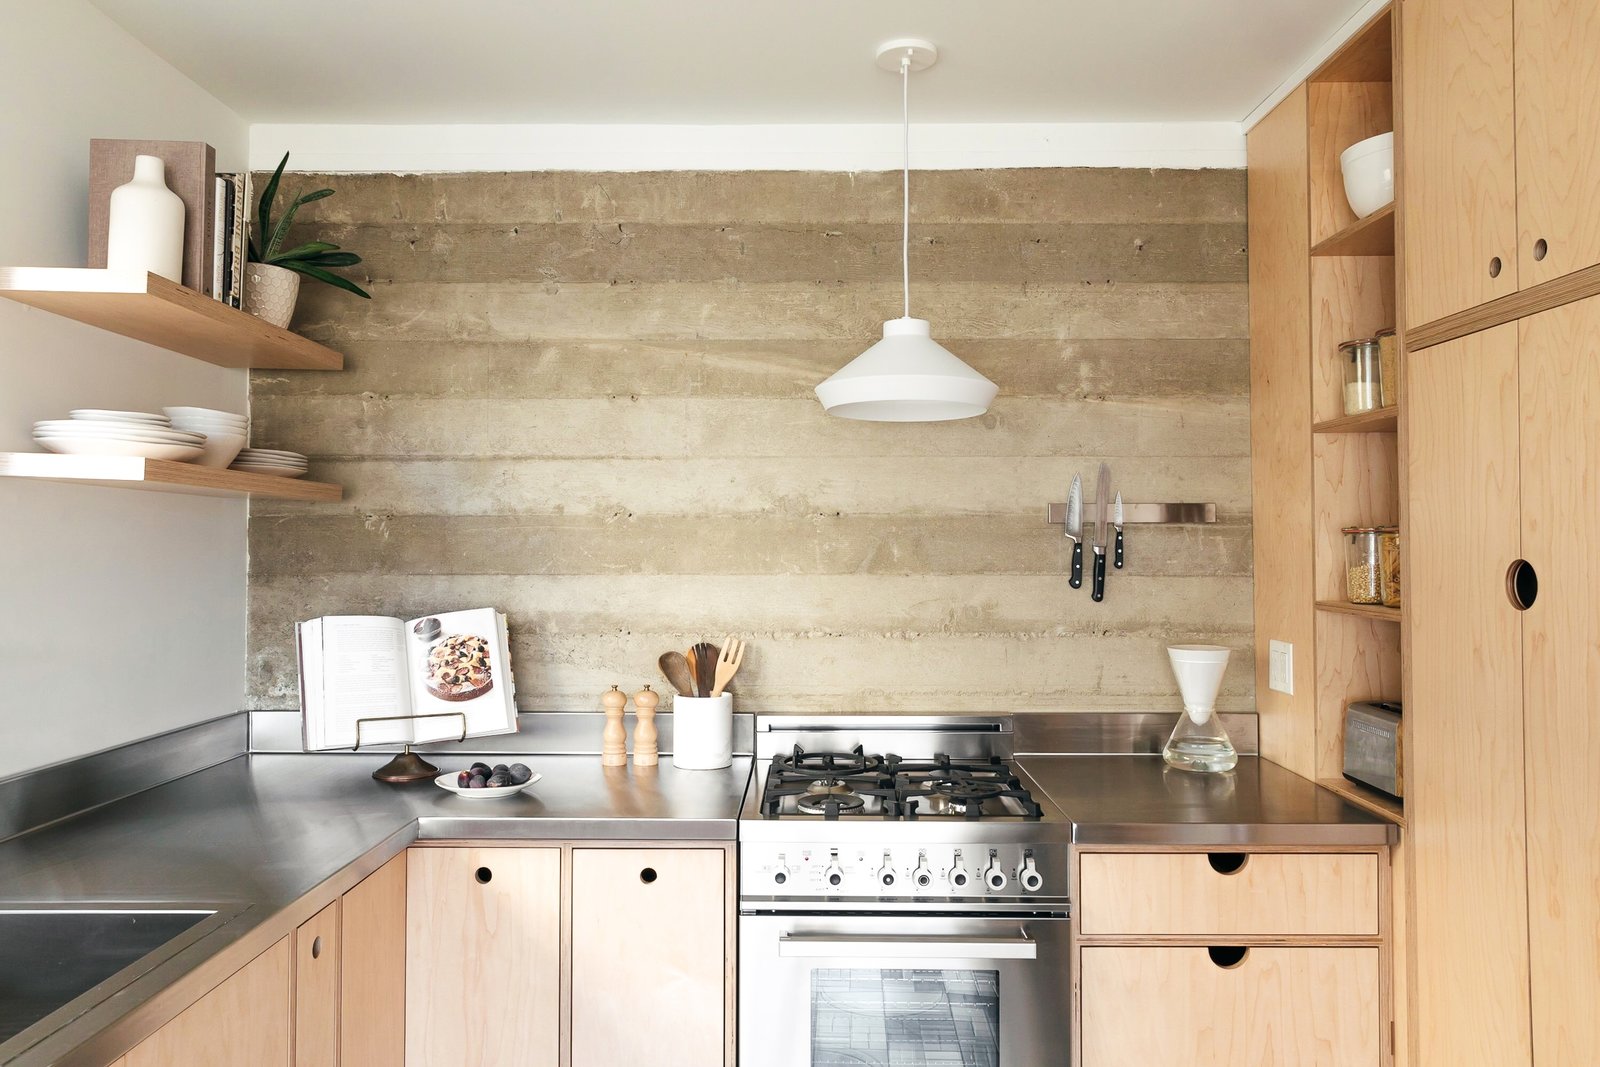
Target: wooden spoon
column 675, row 668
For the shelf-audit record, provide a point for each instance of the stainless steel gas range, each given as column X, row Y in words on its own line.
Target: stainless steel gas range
column 902, row 898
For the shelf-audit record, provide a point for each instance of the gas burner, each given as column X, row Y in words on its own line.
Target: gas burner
column 830, row 804
column 823, row 786
column 963, row 790
column 828, row 764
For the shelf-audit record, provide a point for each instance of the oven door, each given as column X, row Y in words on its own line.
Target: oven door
column 899, row 990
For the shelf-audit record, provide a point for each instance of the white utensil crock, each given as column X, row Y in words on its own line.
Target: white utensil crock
column 702, row 732
column 145, row 229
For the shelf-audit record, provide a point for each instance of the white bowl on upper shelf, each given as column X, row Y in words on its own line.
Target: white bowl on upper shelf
column 1368, row 168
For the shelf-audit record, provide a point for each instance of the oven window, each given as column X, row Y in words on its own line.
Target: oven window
column 905, row 1018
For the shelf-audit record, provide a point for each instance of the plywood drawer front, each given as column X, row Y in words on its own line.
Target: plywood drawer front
column 1310, row 1007
column 1187, row 895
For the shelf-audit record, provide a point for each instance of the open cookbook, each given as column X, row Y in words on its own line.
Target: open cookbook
column 372, row 666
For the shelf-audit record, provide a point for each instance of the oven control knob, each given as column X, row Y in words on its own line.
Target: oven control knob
column 833, row 875
column 994, row 877
column 1029, row 876
column 781, row 875
column 959, row 878
column 886, row 876
column 922, row 876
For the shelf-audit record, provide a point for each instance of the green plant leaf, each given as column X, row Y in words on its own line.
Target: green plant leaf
column 309, row 249
column 332, row 259
column 264, row 211
column 302, row 267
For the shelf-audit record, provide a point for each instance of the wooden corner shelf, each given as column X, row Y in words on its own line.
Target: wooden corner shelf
column 148, row 307
column 131, row 472
column 1364, row 611
column 1366, row 57
column 1370, row 799
column 1379, row 420
column 1371, row 236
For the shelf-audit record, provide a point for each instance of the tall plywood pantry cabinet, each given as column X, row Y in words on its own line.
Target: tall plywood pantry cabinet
column 1491, row 465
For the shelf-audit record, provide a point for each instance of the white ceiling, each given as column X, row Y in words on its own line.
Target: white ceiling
column 731, row 61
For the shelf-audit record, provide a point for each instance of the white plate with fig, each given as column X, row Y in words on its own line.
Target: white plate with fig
column 474, row 782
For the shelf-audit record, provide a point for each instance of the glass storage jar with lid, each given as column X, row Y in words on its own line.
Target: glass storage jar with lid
column 1363, row 370
column 1363, row 565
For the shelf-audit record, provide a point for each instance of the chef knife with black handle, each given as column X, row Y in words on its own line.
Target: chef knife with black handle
column 1102, row 504
column 1075, row 530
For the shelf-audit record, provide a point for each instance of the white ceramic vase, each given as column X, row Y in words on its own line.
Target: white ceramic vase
column 270, row 292
column 145, row 230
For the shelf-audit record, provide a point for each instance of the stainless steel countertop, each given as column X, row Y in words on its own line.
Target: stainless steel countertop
column 1139, row 800
column 263, row 831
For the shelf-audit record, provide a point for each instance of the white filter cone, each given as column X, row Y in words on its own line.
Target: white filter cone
column 1199, row 670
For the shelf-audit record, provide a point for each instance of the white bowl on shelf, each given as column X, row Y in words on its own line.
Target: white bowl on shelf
column 220, row 449
column 111, row 446
column 1368, row 168
column 204, row 413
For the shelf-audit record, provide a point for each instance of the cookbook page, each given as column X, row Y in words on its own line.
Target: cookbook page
column 353, row 667
column 460, row 662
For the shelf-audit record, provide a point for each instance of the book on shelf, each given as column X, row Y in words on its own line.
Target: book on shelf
column 230, row 246
column 189, row 167
column 442, row 675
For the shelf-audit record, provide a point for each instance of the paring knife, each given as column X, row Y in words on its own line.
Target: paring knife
column 1102, row 505
column 1075, row 530
column 1116, row 523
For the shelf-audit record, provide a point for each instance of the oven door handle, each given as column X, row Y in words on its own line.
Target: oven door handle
column 892, row 946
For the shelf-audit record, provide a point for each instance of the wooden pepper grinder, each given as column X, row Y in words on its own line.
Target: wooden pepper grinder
column 614, row 741
column 645, row 753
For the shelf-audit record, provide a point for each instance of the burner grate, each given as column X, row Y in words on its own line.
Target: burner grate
column 856, row 783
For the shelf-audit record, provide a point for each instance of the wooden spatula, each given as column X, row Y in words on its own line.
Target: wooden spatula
column 705, row 666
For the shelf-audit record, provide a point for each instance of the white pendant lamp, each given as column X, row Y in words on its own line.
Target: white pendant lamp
column 907, row 376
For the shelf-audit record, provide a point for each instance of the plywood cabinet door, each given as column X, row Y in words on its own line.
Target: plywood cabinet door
column 1558, row 137
column 483, row 957
column 1200, row 1007
column 316, row 990
column 372, row 972
column 1560, row 386
column 244, row 1022
column 1464, row 719
column 1458, row 155
column 648, row 957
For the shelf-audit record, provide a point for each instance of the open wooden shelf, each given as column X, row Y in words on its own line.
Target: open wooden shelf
column 148, row 307
column 1379, row 420
column 1370, row 799
column 1366, row 57
column 130, row 472
column 1365, row 611
column 1371, row 236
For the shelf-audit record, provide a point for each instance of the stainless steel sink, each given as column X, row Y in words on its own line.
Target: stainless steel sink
column 57, row 962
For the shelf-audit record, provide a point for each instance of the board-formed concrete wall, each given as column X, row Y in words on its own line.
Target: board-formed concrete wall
column 586, row 398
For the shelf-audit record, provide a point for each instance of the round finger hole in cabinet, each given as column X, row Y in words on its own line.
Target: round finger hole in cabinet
column 1227, row 862
column 1540, row 249
column 483, row 875
column 316, row 948
column 1522, row 584
column 1494, row 267
column 647, row 875
column 1227, row 956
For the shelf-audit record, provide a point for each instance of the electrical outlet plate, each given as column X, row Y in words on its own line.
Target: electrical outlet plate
column 1280, row 667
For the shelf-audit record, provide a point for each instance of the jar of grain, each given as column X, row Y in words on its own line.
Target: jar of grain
column 1363, row 565
column 1388, row 367
column 1362, row 370
column 1389, row 564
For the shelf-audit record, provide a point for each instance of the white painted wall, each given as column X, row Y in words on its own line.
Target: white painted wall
column 122, row 613
column 861, row 147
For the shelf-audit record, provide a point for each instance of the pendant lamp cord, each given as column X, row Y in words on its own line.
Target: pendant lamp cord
column 905, row 180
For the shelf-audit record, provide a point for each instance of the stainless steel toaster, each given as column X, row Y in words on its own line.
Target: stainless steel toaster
column 1373, row 752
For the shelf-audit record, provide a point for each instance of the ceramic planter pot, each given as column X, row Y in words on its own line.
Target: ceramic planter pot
column 270, row 292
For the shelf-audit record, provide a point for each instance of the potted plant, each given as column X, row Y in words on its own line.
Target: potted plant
column 274, row 278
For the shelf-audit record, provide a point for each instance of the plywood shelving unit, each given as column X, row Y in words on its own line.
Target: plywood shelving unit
column 150, row 308
column 1355, row 459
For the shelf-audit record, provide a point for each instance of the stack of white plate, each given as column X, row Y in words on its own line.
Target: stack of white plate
column 225, row 432
column 270, row 461
column 99, row 432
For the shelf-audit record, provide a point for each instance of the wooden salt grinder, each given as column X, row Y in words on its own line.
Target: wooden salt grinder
column 614, row 741
column 645, row 752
